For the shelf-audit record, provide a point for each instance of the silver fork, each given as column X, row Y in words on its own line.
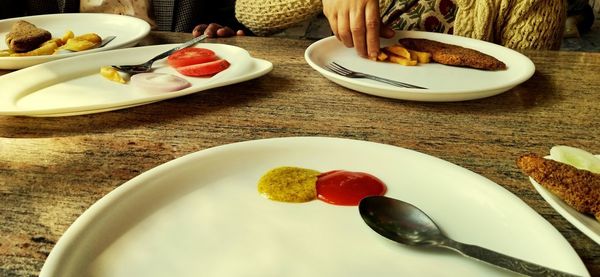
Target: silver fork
column 336, row 68
column 147, row 66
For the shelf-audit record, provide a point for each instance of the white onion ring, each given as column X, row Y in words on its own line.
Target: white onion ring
column 160, row 82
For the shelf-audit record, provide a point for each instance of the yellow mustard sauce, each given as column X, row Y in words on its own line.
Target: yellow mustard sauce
column 289, row 184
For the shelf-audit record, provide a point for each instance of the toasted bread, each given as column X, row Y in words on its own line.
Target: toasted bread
column 25, row 36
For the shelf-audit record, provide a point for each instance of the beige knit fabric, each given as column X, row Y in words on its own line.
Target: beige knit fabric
column 265, row 17
column 517, row 24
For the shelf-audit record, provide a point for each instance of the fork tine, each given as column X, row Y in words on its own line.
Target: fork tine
column 333, row 69
column 341, row 68
column 338, row 70
column 338, row 65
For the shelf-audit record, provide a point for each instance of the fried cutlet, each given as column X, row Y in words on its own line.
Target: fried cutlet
column 24, row 36
column 454, row 55
column 580, row 189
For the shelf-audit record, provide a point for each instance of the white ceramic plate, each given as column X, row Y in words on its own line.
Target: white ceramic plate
column 201, row 214
column 444, row 83
column 74, row 86
column 259, row 67
column 586, row 224
column 128, row 31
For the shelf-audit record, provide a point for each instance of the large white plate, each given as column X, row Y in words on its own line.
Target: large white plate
column 201, row 214
column 74, row 86
column 127, row 29
column 586, row 224
column 444, row 83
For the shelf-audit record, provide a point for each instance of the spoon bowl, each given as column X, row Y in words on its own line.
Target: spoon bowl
column 400, row 221
column 407, row 224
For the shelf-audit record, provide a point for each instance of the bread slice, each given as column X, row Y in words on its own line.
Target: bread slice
column 25, row 36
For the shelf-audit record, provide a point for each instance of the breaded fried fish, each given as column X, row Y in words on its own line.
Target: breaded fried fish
column 454, row 55
column 580, row 189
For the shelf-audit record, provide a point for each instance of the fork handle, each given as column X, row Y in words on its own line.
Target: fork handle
column 392, row 82
column 184, row 45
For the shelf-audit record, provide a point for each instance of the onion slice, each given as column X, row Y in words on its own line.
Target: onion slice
column 161, row 82
column 576, row 157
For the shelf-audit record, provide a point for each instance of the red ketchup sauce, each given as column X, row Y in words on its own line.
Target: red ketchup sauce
column 347, row 188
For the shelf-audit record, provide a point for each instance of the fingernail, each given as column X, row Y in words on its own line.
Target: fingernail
column 373, row 55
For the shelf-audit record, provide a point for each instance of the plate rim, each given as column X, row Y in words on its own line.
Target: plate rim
column 419, row 94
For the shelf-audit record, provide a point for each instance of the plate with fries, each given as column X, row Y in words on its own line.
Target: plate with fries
column 442, row 83
column 79, row 27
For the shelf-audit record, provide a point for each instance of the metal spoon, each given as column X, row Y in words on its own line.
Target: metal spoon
column 405, row 223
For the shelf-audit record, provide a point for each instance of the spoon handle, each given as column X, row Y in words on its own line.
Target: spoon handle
column 504, row 261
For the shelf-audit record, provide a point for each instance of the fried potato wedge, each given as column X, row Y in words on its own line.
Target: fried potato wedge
column 421, row 57
column 398, row 50
column 402, row 60
column 399, row 54
column 47, row 48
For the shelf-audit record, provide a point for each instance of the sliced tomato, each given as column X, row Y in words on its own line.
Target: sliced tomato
column 188, row 56
column 203, row 69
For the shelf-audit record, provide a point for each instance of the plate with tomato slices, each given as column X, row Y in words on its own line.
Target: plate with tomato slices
column 75, row 86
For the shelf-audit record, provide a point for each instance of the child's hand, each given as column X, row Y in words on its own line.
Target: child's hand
column 213, row 30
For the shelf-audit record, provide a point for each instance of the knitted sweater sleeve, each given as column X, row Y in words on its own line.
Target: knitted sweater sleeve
column 264, row 17
column 517, row 24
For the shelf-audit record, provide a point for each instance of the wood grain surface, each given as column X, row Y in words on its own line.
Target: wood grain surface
column 53, row 169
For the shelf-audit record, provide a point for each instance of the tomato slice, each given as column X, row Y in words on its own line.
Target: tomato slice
column 189, row 56
column 203, row 69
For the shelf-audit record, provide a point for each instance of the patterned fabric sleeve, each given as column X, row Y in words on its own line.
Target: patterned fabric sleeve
column 422, row 15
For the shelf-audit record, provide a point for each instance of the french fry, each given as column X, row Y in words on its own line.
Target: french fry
column 6, row 52
column 421, row 57
column 399, row 54
column 402, row 60
column 68, row 35
column 44, row 49
column 58, row 42
column 398, row 50
column 91, row 37
column 76, row 44
column 382, row 56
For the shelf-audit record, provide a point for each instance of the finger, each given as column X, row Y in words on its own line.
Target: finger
column 343, row 29
column 240, row 33
column 372, row 22
column 357, row 27
column 211, row 30
column 386, row 31
column 199, row 29
column 330, row 12
column 333, row 24
column 225, row 32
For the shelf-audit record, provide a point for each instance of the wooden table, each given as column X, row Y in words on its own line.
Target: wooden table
column 53, row 169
